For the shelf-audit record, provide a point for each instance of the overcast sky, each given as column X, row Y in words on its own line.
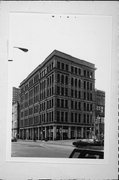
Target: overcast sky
column 85, row 37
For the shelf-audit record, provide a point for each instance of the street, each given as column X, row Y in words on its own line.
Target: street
column 42, row 149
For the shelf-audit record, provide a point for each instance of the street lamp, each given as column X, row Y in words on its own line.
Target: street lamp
column 20, row 48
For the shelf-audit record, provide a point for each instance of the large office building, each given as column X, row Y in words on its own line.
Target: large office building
column 57, row 99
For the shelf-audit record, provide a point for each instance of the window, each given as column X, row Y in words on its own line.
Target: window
column 84, row 95
column 66, row 116
column 79, row 105
column 63, row 66
column 88, row 98
column 75, row 70
column 88, row 119
column 88, row 74
column 72, row 69
column 87, row 85
column 62, row 91
column 75, row 82
column 75, row 105
column 62, row 116
column 72, row 81
column 79, row 71
column 36, row 78
column 66, row 103
column 67, row 67
column 58, row 90
column 79, row 94
column 84, row 117
column 91, row 98
column 62, row 103
column 75, row 117
column 84, row 85
column 87, row 107
column 72, row 104
column 85, row 73
column 72, row 92
column 58, row 78
column 72, row 117
column 58, row 102
column 75, row 93
column 79, row 83
column 52, row 78
column 91, row 86
column 79, row 118
column 91, row 107
column 58, row 65
column 66, row 80
column 84, row 106
column 58, row 116
column 62, row 79
column 66, row 91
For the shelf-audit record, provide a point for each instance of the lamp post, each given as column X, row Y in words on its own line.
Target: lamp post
column 20, row 48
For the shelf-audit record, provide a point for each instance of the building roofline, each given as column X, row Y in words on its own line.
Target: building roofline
column 63, row 55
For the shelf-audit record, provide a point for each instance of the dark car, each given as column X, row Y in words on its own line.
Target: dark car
column 14, row 139
column 87, row 153
column 88, row 142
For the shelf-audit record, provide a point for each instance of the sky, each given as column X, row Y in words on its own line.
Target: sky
column 86, row 37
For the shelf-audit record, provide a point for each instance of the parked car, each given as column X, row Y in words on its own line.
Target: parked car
column 14, row 139
column 88, row 142
column 88, row 153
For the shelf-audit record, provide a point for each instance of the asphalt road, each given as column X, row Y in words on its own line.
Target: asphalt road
column 40, row 149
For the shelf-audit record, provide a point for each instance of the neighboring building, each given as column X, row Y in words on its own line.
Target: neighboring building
column 15, row 120
column 99, row 113
column 15, row 95
column 57, row 99
column 15, row 111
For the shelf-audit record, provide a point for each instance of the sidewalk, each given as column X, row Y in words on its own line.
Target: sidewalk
column 56, row 142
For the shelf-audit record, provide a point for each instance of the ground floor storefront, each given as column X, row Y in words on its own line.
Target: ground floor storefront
column 56, row 132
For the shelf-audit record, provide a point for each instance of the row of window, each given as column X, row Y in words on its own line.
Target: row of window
column 76, row 118
column 60, row 117
column 75, row 70
column 62, row 103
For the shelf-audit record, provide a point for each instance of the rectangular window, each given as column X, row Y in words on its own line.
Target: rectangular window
column 66, row 116
column 79, row 118
column 75, row 105
column 58, row 116
column 75, row 117
column 72, row 69
column 62, row 116
column 63, row 66
column 72, row 92
column 62, row 103
column 62, row 91
column 72, row 104
column 66, row 103
column 58, row 65
column 58, row 102
column 79, row 105
column 67, row 67
column 79, row 71
column 66, row 91
column 75, row 70
column 58, row 90
column 72, row 117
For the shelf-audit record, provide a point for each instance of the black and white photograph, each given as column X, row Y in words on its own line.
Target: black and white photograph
column 58, row 102
column 56, row 69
